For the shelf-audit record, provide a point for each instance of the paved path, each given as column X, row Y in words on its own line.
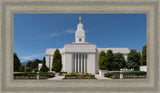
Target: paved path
column 61, row 77
column 56, row 78
column 99, row 77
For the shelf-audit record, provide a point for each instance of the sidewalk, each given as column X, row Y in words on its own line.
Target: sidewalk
column 56, row 78
column 61, row 77
column 101, row 77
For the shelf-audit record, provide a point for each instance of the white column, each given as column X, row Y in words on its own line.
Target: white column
column 78, row 62
column 81, row 63
column 84, row 62
column 75, row 62
column 50, row 64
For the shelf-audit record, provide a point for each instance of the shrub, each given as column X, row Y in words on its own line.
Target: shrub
column 114, row 74
column 73, row 73
column 44, row 68
column 79, row 76
column 30, row 74
column 46, row 74
column 86, row 74
column 63, row 72
column 91, row 75
column 134, row 73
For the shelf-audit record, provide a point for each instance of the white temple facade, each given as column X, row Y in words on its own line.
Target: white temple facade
column 80, row 56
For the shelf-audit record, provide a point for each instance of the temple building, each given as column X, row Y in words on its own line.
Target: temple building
column 80, row 56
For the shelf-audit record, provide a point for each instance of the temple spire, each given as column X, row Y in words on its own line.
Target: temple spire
column 80, row 33
column 80, row 19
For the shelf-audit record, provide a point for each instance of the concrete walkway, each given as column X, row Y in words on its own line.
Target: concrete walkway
column 56, row 78
column 61, row 77
column 101, row 77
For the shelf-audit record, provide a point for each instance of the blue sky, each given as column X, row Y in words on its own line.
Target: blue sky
column 34, row 33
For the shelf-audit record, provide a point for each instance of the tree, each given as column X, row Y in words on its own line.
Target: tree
column 118, row 61
column 33, row 64
column 57, row 61
column 44, row 68
column 144, row 55
column 133, row 60
column 102, row 62
column 110, row 57
column 29, row 64
column 16, row 62
column 28, row 69
column 21, row 68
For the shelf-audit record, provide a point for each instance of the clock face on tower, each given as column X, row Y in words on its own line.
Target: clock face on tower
column 80, row 39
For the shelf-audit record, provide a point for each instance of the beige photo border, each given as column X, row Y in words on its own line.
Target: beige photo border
column 149, row 7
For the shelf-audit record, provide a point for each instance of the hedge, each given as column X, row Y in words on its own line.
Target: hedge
column 115, row 74
column 63, row 72
column 132, row 73
column 76, row 75
column 31, row 74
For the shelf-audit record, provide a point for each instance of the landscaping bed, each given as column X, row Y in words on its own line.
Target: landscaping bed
column 79, row 76
column 127, row 75
column 32, row 76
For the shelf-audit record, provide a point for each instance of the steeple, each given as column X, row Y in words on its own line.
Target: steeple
column 80, row 33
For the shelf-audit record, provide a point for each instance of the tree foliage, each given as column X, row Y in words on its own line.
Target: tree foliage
column 21, row 68
column 144, row 55
column 16, row 62
column 57, row 61
column 33, row 64
column 102, row 62
column 44, row 68
column 28, row 69
column 110, row 58
column 118, row 61
column 133, row 60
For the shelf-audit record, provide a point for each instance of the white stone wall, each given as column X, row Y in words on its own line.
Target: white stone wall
column 63, row 63
column 89, row 48
column 50, row 61
column 143, row 68
column 124, row 51
column 91, row 63
column 68, row 64
column 47, row 61
column 102, row 72
column 39, row 66
column 125, row 56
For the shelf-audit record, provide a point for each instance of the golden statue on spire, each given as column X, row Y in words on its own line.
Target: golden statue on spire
column 80, row 19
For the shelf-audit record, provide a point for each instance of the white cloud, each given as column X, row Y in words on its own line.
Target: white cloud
column 32, row 56
column 54, row 34
column 70, row 31
column 67, row 31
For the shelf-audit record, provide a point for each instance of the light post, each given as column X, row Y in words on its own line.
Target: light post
column 121, row 73
column 37, row 75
